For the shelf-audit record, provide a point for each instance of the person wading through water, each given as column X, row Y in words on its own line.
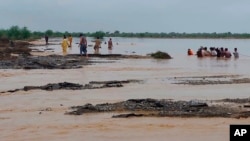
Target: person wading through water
column 83, row 45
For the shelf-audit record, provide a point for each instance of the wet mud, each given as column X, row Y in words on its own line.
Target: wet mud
column 18, row 55
column 210, row 80
column 168, row 108
column 10, row 49
column 75, row 86
column 72, row 61
column 44, row 62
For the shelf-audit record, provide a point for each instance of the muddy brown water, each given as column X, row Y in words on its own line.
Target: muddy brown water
column 39, row 115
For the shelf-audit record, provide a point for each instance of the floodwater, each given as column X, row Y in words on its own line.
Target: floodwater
column 25, row 115
column 144, row 46
column 177, row 48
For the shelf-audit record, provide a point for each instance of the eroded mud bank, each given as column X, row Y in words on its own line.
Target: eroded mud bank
column 235, row 108
column 75, row 86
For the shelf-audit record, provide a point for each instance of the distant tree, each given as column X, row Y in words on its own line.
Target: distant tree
column 141, row 35
column 25, row 33
column 37, row 34
column 13, row 32
column 99, row 34
column 57, row 34
column 49, row 32
column 66, row 33
column 117, row 32
column 107, row 34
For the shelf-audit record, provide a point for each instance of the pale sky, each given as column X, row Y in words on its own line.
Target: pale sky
column 190, row 16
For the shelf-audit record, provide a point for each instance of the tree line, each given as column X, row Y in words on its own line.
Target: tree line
column 22, row 33
column 226, row 35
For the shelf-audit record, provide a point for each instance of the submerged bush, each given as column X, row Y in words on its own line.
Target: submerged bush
column 161, row 55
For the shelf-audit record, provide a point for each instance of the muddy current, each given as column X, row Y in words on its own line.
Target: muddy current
column 122, row 98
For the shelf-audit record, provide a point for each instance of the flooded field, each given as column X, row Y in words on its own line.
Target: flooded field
column 39, row 115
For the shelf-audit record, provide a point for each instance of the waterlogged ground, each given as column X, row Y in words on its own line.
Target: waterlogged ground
column 40, row 115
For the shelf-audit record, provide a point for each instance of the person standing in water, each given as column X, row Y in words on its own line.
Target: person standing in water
column 46, row 39
column 83, row 45
column 70, row 40
column 97, row 45
column 190, row 52
column 235, row 53
column 110, row 44
column 227, row 53
column 65, row 45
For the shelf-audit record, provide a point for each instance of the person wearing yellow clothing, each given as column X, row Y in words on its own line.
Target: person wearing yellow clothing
column 65, row 45
column 70, row 40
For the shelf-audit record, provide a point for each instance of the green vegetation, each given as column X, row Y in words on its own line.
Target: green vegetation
column 99, row 34
column 17, row 33
column 214, row 35
column 160, row 55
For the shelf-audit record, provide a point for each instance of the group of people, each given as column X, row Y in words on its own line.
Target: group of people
column 67, row 42
column 214, row 52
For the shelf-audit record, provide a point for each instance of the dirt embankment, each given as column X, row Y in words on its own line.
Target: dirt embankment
column 167, row 108
column 72, row 61
column 75, row 86
column 44, row 62
column 17, row 55
column 10, row 49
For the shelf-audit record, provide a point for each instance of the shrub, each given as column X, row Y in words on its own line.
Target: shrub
column 161, row 55
column 99, row 34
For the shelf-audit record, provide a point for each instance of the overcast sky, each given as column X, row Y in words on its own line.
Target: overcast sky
column 188, row 16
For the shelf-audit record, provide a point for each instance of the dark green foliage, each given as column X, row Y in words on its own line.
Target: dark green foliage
column 49, row 32
column 25, row 33
column 99, row 34
column 161, row 55
column 13, row 32
column 214, row 35
column 17, row 33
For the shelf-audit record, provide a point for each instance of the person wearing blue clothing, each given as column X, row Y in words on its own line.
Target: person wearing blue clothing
column 83, row 45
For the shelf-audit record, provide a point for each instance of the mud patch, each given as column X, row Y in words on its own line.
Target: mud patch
column 60, row 62
column 237, row 100
column 47, row 62
column 75, row 86
column 163, row 108
column 9, row 47
column 210, row 80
